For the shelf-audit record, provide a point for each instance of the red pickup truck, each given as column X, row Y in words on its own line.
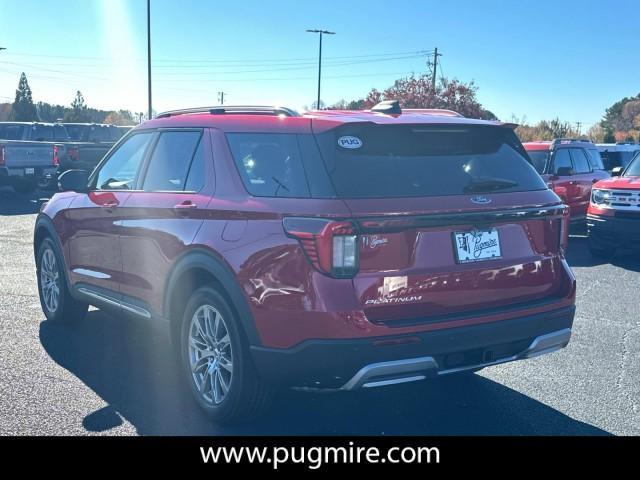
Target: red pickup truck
column 570, row 167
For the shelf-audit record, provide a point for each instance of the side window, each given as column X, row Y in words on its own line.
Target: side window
column 595, row 159
column 195, row 177
column 561, row 159
column 121, row 169
column 269, row 164
column 580, row 161
column 170, row 162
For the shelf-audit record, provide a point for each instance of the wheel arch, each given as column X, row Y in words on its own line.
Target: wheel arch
column 196, row 268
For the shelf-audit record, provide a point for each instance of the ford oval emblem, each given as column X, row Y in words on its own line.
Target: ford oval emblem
column 480, row 200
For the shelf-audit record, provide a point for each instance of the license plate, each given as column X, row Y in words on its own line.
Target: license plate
column 476, row 245
column 29, row 171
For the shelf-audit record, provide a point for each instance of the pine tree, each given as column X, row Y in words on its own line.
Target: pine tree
column 23, row 108
column 79, row 111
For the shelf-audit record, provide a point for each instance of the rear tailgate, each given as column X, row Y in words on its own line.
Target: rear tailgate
column 20, row 154
column 413, row 268
column 453, row 220
column 87, row 157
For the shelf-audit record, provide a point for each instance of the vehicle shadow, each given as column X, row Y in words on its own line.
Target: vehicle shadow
column 578, row 255
column 12, row 203
column 131, row 366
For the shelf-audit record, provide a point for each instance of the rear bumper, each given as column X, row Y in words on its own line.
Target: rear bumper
column 614, row 231
column 352, row 364
column 39, row 172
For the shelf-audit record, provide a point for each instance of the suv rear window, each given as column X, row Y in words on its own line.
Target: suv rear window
column 270, row 164
column 379, row 161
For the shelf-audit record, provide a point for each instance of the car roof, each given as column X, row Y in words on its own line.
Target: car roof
column 316, row 120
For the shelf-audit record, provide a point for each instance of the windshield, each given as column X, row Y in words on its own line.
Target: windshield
column 633, row 170
column 380, row 161
column 539, row 159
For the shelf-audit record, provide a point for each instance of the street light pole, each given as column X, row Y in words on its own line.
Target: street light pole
column 149, row 55
column 321, row 32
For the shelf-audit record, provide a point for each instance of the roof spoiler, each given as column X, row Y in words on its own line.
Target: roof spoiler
column 388, row 107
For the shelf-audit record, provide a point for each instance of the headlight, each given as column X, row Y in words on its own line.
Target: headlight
column 600, row 197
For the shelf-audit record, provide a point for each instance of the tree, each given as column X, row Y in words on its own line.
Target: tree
column 23, row 109
column 418, row 92
column 121, row 117
column 79, row 111
column 546, row 130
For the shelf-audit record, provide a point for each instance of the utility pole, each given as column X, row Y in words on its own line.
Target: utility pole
column 579, row 128
column 149, row 55
column 435, row 68
column 321, row 32
column 221, row 98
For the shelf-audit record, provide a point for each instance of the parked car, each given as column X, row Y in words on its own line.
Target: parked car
column 613, row 220
column 328, row 250
column 617, row 154
column 570, row 167
column 29, row 154
column 91, row 142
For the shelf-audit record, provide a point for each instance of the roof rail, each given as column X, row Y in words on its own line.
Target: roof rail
column 434, row 111
column 233, row 109
column 561, row 141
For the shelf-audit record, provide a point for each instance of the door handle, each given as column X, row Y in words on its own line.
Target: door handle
column 186, row 205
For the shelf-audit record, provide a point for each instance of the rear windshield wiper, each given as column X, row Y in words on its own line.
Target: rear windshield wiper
column 488, row 184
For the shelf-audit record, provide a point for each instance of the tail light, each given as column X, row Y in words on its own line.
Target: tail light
column 2, row 160
column 563, row 231
column 330, row 246
column 73, row 153
column 56, row 158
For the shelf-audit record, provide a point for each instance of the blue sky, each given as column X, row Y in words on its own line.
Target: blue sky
column 534, row 59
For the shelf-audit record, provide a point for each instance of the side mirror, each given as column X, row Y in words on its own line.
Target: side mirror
column 617, row 171
column 564, row 171
column 74, row 181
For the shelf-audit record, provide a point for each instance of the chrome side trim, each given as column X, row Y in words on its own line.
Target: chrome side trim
column 415, row 369
column 91, row 273
column 124, row 305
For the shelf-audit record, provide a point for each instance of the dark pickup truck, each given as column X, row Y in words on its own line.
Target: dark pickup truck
column 90, row 142
column 30, row 154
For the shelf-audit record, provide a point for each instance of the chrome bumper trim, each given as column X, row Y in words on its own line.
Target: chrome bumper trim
column 415, row 369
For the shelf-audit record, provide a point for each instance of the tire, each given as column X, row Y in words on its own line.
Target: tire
column 57, row 303
column 24, row 186
column 225, row 383
column 600, row 250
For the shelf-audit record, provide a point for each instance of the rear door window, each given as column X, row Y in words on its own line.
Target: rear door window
column 384, row 161
column 580, row 162
column 170, row 162
column 269, row 164
column 42, row 133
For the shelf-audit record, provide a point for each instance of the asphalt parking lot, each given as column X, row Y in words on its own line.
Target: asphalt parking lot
column 117, row 377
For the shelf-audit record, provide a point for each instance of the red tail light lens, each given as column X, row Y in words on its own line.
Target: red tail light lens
column 330, row 246
column 2, row 160
column 564, row 230
column 74, row 153
column 56, row 158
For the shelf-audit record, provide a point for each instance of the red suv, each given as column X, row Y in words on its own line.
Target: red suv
column 570, row 167
column 614, row 213
column 330, row 250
